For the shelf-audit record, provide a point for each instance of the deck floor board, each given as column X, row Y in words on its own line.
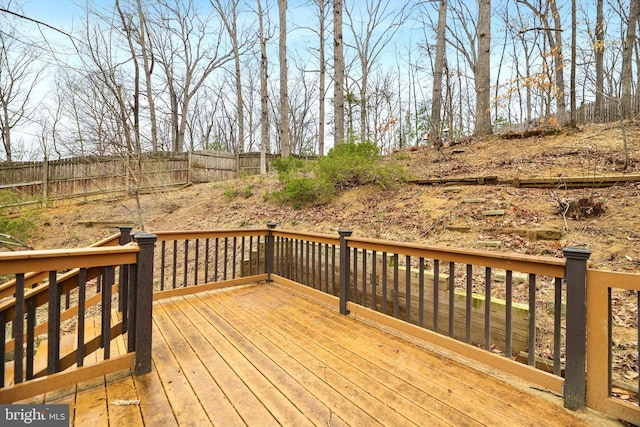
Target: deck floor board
column 266, row 355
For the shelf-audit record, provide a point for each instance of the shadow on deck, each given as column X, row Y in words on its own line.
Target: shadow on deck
column 266, row 355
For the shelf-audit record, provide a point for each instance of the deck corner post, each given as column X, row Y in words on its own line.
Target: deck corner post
column 143, row 307
column 576, row 278
column 270, row 250
column 344, row 270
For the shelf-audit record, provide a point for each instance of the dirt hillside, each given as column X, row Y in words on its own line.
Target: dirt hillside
column 494, row 217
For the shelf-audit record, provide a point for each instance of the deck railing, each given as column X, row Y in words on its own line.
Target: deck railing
column 547, row 320
column 90, row 280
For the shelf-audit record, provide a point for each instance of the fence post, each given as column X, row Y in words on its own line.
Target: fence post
column 143, row 307
column 269, row 251
column 575, row 274
column 45, row 182
column 344, row 270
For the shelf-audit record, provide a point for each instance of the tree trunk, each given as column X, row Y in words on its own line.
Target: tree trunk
column 483, row 70
column 264, row 95
column 323, row 69
column 599, row 54
column 148, row 64
column 6, row 135
column 572, row 78
column 438, row 70
column 338, row 58
column 626, row 79
column 284, row 92
column 555, row 42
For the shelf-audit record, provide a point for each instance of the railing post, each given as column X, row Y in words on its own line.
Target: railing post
column 143, row 307
column 123, row 277
column 344, row 270
column 269, row 251
column 125, row 234
column 576, row 278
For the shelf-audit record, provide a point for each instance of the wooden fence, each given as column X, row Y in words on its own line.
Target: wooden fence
column 88, row 178
column 586, row 113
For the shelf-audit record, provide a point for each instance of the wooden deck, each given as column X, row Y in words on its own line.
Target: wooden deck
column 264, row 355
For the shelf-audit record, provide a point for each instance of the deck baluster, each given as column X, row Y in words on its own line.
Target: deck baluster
column 185, row 273
column 469, row 295
column 18, row 330
column 354, row 294
column 374, row 280
column 421, row 292
column 31, row 325
column 407, row 271
column 452, row 294
column 196, row 262
column 395, row 285
column 436, row 293
column 384, row 282
column 53, row 337
column 532, row 320
column 206, row 260
column 364, row 277
column 3, row 329
column 82, row 294
column 508, row 335
column 557, row 325
column 487, row 308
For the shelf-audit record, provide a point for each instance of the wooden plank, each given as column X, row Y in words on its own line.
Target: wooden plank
column 119, row 395
column 205, row 385
column 392, row 347
column 154, row 404
column 372, row 393
column 294, row 380
column 184, row 402
column 64, row 379
column 351, row 344
column 91, row 406
column 271, row 400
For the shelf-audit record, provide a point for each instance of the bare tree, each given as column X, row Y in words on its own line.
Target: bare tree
column 482, row 70
column 438, row 70
column 283, row 129
column 572, row 71
column 19, row 76
column 554, row 38
column 229, row 15
column 599, row 49
column 626, row 77
column 372, row 30
column 189, row 50
column 148, row 62
column 338, row 79
column 264, row 92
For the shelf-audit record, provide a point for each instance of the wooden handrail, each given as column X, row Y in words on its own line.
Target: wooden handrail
column 208, row 234
column 547, row 266
column 7, row 289
column 66, row 259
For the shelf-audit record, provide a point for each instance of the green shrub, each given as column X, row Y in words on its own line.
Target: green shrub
column 289, row 164
column 346, row 165
column 230, row 193
column 350, row 164
column 19, row 229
